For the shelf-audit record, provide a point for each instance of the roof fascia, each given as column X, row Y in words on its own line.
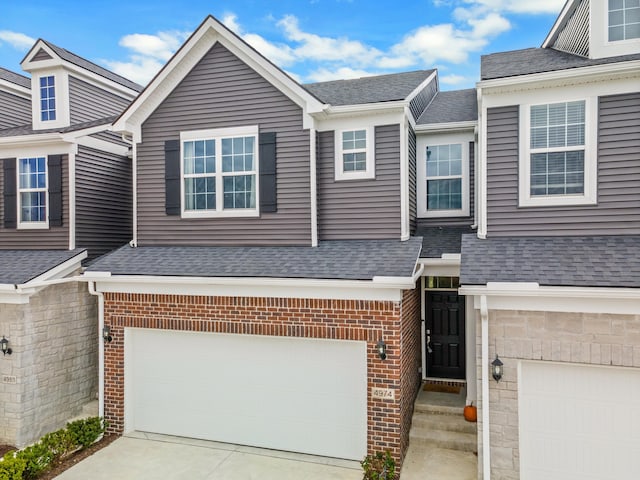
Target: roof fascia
column 362, row 109
column 189, row 54
column 559, row 75
column 446, row 127
column 533, row 297
column 15, row 89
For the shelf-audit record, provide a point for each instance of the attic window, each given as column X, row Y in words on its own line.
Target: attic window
column 624, row 20
column 47, row 98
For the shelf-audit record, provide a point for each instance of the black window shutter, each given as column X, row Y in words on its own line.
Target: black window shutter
column 172, row 176
column 268, row 172
column 9, row 194
column 54, row 164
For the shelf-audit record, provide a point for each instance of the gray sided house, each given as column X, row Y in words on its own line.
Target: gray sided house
column 65, row 196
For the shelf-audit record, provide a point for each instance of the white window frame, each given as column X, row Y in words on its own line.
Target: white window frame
column 369, row 172
column 607, row 30
column 432, row 140
column 217, row 135
column 21, row 225
column 589, row 196
column 55, row 98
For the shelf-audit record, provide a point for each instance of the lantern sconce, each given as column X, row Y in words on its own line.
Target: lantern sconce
column 497, row 369
column 4, row 345
column 106, row 334
column 382, row 349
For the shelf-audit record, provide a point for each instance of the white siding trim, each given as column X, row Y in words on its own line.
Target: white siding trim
column 405, row 230
column 313, row 167
column 72, row 198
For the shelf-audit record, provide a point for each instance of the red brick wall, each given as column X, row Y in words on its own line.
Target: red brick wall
column 410, row 379
column 310, row 318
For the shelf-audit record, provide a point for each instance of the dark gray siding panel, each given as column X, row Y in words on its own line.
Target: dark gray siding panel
column 110, row 137
column 41, row 55
column 103, row 201
column 618, row 208
column 221, row 91
column 360, row 209
column 423, row 99
column 53, row 238
column 412, row 180
column 457, row 221
column 14, row 110
column 89, row 102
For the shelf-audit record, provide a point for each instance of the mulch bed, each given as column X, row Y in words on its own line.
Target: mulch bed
column 72, row 459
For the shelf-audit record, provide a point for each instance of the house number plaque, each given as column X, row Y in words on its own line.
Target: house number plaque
column 383, row 393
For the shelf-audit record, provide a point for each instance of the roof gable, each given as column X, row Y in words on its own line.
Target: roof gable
column 44, row 54
column 210, row 32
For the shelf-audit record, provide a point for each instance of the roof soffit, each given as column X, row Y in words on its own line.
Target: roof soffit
column 187, row 57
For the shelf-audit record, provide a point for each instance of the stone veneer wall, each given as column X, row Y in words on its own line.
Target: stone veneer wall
column 55, row 361
column 584, row 338
column 309, row 318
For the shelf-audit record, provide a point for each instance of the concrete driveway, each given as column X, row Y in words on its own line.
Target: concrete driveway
column 144, row 456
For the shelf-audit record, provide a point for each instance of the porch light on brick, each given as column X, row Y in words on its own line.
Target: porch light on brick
column 4, row 345
column 382, row 349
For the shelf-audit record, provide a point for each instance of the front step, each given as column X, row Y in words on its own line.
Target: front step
column 438, row 421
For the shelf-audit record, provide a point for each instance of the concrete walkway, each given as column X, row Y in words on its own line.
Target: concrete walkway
column 438, row 464
column 143, row 456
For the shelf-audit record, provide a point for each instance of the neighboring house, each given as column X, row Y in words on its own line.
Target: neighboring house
column 304, row 255
column 554, row 271
column 65, row 195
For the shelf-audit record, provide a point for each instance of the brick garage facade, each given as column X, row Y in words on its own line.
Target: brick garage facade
column 581, row 338
column 397, row 322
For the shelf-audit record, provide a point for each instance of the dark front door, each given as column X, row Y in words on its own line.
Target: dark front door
column 445, row 335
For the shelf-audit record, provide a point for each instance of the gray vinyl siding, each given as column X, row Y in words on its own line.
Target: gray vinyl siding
column 458, row 221
column 422, row 100
column 221, row 91
column 413, row 208
column 41, row 55
column 14, row 110
column 54, row 238
column 110, row 137
column 89, row 102
column 360, row 209
column 618, row 209
column 103, row 201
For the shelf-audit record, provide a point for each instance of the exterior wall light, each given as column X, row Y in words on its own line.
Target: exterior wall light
column 382, row 349
column 496, row 369
column 106, row 334
column 4, row 345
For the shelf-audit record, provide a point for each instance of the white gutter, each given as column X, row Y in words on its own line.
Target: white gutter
column 481, row 171
column 443, row 127
column 92, row 291
column 532, row 289
column 486, row 439
column 313, row 187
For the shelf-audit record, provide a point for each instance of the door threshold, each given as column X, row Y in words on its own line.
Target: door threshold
column 453, row 382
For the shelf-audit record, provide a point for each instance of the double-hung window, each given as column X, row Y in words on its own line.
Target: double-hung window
column 32, row 192
column 444, row 177
column 219, row 172
column 354, row 154
column 47, row 98
column 558, row 168
column 624, row 20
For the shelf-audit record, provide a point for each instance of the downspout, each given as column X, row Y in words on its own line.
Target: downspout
column 134, row 185
column 100, row 295
column 486, row 447
column 313, row 187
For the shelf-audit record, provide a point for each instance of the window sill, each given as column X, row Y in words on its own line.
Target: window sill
column 443, row 213
column 33, row 226
column 557, row 201
column 221, row 214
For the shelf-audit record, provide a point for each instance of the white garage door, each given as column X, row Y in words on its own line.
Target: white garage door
column 302, row 395
column 579, row 422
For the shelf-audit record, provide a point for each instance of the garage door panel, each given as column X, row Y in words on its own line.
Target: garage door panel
column 303, row 395
column 578, row 422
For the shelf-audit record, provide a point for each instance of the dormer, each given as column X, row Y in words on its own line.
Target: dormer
column 67, row 89
column 597, row 28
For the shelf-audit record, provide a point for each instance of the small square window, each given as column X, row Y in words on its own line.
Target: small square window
column 354, row 154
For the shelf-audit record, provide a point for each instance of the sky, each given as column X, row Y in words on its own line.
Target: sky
column 312, row 40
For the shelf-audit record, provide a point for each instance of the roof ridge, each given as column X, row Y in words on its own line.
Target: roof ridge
column 369, row 76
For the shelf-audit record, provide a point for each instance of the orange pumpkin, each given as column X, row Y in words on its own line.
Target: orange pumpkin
column 470, row 413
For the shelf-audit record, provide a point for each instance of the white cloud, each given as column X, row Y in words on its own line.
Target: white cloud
column 341, row 73
column 148, row 53
column 315, row 47
column 519, row 6
column 455, row 80
column 17, row 40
